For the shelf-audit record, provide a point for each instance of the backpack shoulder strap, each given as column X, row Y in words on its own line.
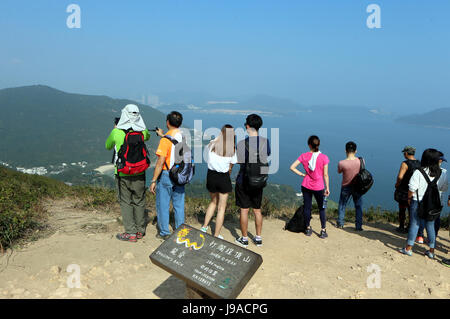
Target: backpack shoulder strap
column 425, row 175
column 361, row 160
column 170, row 138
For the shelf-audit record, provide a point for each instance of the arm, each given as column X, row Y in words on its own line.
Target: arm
column 110, row 142
column 401, row 173
column 295, row 170
column 413, row 186
column 158, row 169
column 327, row 180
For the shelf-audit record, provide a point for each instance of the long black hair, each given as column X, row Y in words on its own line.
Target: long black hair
column 314, row 142
column 430, row 159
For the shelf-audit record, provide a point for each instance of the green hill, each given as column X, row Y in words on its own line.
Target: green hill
column 41, row 126
column 436, row 118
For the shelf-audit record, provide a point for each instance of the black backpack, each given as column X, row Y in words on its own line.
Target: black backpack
column 252, row 171
column 430, row 206
column 183, row 170
column 363, row 181
column 297, row 223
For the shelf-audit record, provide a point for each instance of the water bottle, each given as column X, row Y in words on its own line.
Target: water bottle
column 325, row 201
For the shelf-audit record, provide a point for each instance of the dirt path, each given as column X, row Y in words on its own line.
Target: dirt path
column 294, row 266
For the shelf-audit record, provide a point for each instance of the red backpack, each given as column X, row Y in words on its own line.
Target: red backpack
column 132, row 157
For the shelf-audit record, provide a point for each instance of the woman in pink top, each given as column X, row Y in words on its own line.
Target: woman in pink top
column 315, row 165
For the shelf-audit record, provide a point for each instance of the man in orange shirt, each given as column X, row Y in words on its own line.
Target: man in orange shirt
column 161, row 185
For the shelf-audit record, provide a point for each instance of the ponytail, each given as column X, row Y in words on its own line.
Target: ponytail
column 314, row 143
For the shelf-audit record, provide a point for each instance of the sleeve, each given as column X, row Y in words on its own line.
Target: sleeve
column 110, row 142
column 146, row 134
column 326, row 160
column 414, row 181
column 300, row 158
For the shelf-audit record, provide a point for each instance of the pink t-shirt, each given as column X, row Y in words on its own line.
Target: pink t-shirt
column 313, row 179
column 349, row 169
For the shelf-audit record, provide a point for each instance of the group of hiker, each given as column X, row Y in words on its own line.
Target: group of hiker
column 417, row 181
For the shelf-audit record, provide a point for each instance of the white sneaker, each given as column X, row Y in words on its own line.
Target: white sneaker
column 220, row 237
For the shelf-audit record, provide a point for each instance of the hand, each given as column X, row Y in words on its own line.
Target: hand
column 153, row 188
column 327, row 193
column 115, row 126
column 159, row 132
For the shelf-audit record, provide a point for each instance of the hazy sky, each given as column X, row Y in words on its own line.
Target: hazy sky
column 314, row 52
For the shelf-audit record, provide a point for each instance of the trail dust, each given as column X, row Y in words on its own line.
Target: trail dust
column 294, row 266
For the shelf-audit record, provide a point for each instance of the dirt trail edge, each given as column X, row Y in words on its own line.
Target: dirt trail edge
column 295, row 266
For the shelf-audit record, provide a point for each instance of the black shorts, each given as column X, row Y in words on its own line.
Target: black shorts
column 248, row 198
column 218, row 182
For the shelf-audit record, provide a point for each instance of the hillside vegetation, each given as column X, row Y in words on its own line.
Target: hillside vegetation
column 22, row 210
column 57, row 127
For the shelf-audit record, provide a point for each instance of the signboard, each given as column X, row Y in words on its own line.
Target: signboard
column 214, row 266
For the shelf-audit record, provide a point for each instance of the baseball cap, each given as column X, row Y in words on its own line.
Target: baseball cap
column 409, row 149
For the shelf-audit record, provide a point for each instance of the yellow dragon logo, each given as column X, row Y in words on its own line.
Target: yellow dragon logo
column 181, row 239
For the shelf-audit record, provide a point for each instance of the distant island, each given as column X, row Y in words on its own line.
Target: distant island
column 439, row 118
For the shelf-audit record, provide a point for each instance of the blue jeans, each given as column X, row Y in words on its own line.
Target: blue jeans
column 346, row 192
column 414, row 225
column 437, row 226
column 166, row 191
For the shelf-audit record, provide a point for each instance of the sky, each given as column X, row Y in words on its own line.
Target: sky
column 314, row 52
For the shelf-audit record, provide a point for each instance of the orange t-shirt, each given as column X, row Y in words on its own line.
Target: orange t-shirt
column 165, row 148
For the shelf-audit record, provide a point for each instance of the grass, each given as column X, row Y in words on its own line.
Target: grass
column 22, row 210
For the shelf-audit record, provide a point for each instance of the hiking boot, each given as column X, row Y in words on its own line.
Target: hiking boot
column 359, row 229
column 339, row 226
column 419, row 240
column 162, row 237
column 308, row 231
column 140, row 235
column 446, row 262
column 240, row 241
column 406, row 252
column 429, row 254
column 257, row 242
column 127, row 237
column 323, row 234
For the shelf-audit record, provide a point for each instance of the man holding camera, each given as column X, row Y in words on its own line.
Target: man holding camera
column 162, row 185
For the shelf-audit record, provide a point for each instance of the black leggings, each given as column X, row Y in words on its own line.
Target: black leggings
column 307, row 205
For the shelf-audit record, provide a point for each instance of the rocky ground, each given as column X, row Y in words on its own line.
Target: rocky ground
column 295, row 266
